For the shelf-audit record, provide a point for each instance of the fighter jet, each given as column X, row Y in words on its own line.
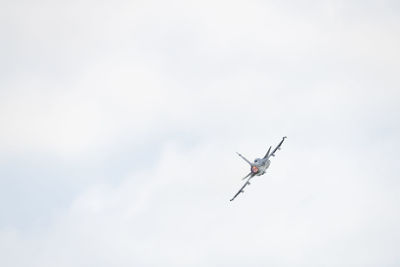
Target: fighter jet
column 258, row 167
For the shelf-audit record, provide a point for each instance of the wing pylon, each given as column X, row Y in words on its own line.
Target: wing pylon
column 241, row 190
column 278, row 147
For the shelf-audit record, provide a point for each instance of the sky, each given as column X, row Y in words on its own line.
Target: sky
column 119, row 123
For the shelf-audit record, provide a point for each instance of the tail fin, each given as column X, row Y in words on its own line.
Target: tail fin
column 240, row 155
column 266, row 155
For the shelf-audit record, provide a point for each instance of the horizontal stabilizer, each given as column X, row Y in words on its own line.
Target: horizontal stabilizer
column 247, row 176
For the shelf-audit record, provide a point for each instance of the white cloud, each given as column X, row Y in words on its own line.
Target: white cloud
column 153, row 67
column 83, row 79
column 179, row 214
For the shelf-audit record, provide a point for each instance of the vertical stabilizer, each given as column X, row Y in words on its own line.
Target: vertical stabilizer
column 240, row 155
column 266, row 155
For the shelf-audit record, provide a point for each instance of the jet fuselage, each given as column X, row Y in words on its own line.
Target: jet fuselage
column 259, row 166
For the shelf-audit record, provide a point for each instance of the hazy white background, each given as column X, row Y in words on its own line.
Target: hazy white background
column 119, row 122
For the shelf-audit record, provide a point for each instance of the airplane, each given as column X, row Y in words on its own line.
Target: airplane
column 258, row 167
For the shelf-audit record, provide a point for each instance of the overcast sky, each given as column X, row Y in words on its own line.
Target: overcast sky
column 119, row 123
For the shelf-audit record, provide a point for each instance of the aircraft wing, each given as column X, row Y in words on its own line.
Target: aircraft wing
column 241, row 189
column 277, row 147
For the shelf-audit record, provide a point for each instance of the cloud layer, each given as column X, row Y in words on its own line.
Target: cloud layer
column 120, row 122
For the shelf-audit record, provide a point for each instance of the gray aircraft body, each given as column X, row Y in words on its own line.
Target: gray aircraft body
column 258, row 167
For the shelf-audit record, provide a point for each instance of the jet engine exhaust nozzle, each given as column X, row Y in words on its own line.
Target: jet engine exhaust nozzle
column 254, row 169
